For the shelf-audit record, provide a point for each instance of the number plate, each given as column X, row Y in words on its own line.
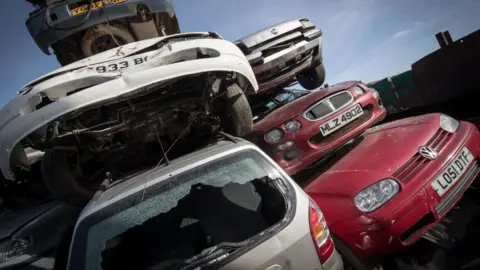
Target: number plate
column 341, row 120
column 122, row 64
column 95, row 5
column 453, row 172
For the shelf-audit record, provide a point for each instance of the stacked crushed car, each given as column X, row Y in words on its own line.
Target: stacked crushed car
column 132, row 133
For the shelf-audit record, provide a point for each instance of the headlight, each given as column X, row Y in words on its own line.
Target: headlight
column 24, row 90
column 274, row 135
column 286, row 145
column 13, row 248
column 292, row 126
column 376, row 95
column 374, row 196
column 449, row 124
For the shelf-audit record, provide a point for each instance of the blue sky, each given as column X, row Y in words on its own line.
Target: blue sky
column 363, row 39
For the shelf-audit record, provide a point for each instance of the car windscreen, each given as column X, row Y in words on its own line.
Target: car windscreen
column 99, row 230
column 262, row 106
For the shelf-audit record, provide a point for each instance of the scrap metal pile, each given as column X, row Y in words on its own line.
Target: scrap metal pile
column 135, row 94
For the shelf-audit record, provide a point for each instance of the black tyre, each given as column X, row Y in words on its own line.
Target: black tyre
column 350, row 260
column 67, row 51
column 312, row 78
column 238, row 120
column 60, row 179
column 99, row 38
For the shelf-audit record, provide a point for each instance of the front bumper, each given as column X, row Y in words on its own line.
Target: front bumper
column 311, row 152
column 283, row 66
column 45, row 36
column 406, row 222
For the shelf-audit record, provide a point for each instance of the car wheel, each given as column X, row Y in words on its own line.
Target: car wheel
column 100, row 38
column 350, row 260
column 59, row 178
column 238, row 119
column 312, row 78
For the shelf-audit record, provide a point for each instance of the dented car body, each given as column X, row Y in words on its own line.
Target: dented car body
column 301, row 130
column 155, row 88
column 385, row 190
column 225, row 206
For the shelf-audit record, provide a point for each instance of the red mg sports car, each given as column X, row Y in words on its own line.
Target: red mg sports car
column 387, row 188
column 298, row 128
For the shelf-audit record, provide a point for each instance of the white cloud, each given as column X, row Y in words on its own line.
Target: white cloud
column 402, row 33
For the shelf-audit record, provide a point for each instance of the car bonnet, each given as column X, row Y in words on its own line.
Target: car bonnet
column 376, row 155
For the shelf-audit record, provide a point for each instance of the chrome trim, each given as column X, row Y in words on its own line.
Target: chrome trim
column 327, row 99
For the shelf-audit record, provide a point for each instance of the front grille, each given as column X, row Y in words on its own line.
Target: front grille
column 439, row 140
column 328, row 106
column 319, row 138
column 281, row 46
column 290, row 65
column 462, row 185
column 417, row 162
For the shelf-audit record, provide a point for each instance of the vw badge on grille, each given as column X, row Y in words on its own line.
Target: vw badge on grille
column 274, row 31
column 427, row 152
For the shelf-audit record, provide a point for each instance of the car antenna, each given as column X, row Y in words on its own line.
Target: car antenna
column 161, row 146
column 164, row 156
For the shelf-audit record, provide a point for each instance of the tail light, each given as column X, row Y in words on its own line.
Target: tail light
column 320, row 234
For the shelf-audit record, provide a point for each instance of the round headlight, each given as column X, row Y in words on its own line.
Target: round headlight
column 376, row 95
column 449, row 124
column 274, row 135
column 376, row 195
column 292, row 126
column 358, row 90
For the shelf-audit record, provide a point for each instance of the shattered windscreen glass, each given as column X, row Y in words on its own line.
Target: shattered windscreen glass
column 238, row 168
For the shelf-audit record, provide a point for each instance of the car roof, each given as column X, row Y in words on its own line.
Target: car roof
column 144, row 179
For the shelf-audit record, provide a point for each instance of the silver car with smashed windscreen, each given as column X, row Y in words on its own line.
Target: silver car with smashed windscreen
column 225, row 206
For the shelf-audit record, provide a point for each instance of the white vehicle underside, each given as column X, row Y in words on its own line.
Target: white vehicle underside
column 97, row 118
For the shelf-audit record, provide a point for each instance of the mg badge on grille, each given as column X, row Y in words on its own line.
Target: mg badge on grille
column 428, row 152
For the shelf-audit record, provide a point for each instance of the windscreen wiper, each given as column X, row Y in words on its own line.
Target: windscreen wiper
column 211, row 255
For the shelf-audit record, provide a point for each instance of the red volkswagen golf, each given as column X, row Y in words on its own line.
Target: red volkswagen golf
column 298, row 128
column 389, row 187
